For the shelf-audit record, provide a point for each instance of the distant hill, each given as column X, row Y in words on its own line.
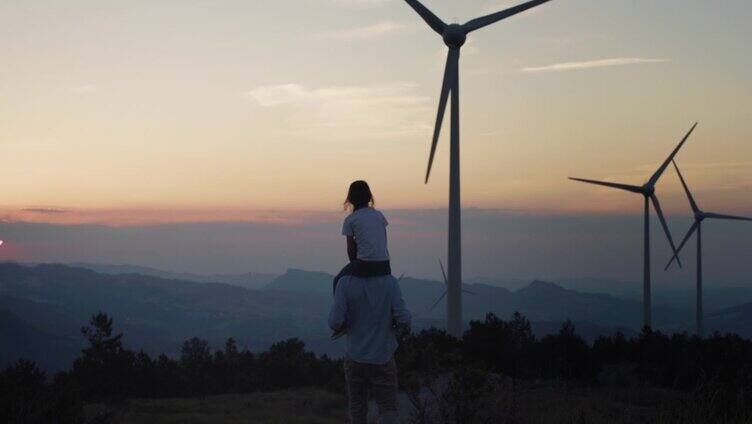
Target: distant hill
column 297, row 280
column 50, row 303
column 18, row 339
column 539, row 301
column 737, row 319
column 158, row 314
column 677, row 295
column 249, row 280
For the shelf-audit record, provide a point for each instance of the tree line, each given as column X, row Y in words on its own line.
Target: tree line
column 106, row 371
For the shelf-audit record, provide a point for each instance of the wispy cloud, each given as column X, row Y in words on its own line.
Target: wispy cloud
column 499, row 5
column 591, row 64
column 364, row 32
column 126, row 217
column 45, row 211
column 83, row 89
column 376, row 111
column 358, row 3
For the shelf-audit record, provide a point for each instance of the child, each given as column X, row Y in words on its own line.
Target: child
column 365, row 229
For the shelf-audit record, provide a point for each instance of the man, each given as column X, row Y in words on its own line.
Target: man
column 369, row 309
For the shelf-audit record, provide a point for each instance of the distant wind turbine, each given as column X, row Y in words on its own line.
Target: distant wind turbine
column 647, row 190
column 454, row 36
column 446, row 283
column 697, row 226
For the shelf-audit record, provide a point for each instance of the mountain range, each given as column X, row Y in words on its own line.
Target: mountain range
column 249, row 280
column 43, row 307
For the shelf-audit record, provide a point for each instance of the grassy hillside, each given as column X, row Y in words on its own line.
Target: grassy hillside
column 528, row 403
column 310, row 406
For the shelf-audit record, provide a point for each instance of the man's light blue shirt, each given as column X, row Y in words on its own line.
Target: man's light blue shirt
column 369, row 308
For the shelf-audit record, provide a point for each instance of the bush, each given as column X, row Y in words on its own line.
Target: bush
column 26, row 397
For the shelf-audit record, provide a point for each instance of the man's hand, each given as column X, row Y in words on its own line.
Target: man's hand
column 339, row 333
column 401, row 330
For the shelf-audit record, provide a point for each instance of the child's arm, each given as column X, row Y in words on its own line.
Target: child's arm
column 352, row 248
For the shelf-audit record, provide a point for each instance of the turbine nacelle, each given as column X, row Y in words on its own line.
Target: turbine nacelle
column 648, row 189
column 454, row 36
column 700, row 216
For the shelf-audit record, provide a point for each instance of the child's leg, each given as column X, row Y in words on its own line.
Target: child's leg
column 346, row 270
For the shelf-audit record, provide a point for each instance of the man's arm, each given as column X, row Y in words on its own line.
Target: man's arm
column 352, row 248
column 400, row 315
column 338, row 313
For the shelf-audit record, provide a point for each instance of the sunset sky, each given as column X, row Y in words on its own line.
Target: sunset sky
column 133, row 112
column 261, row 105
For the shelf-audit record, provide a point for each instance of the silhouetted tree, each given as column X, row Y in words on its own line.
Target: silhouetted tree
column 428, row 353
column 716, row 371
column 26, row 397
column 105, row 369
column 287, row 364
column 234, row 370
column 501, row 346
column 196, row 364
column 566, row 356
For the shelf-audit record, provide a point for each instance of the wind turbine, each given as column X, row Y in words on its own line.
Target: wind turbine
column 697, row 226
column 647, row 190
column 454, row 36
column 446, row 283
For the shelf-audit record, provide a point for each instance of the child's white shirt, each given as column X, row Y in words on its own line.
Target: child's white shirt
column 368, row 227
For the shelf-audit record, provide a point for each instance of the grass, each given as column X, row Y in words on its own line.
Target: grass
column 528, row 403
column 551, row 403
column 312, row 406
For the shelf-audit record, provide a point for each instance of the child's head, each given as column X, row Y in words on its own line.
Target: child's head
column 359, row 195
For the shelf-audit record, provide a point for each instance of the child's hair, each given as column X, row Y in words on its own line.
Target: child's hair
column 359, row 195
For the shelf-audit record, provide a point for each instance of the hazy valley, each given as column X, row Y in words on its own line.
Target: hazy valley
column 42, row 308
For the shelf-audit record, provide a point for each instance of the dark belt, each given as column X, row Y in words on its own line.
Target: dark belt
column 367, row 269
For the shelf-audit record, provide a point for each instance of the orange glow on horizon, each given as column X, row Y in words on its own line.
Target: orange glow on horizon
column 158, row 216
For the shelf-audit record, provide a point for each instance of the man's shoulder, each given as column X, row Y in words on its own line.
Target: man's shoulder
column 388, row 280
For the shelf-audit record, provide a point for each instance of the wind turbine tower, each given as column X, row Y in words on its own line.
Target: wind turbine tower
column 647, row 190
column 699, row 216
column 454, row 36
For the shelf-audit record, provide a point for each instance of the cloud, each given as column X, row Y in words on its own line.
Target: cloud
column 591, row 64
column 274, row 95
column 357, row 3
column 83, row 89
column 499, row 5
column 128, row 217
column 364, row 32
column 375, row 111
column 45, row 211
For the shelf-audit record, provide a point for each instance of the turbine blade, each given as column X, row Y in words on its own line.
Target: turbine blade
column 443, row 274
column 627, row 187
column 692, row 203
column 659, row 211
column 691, row 231
column 659, row 172
column 438, row 300
column 450, row 74
column 479, row 23
column 432, row 20
column 730, row 217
